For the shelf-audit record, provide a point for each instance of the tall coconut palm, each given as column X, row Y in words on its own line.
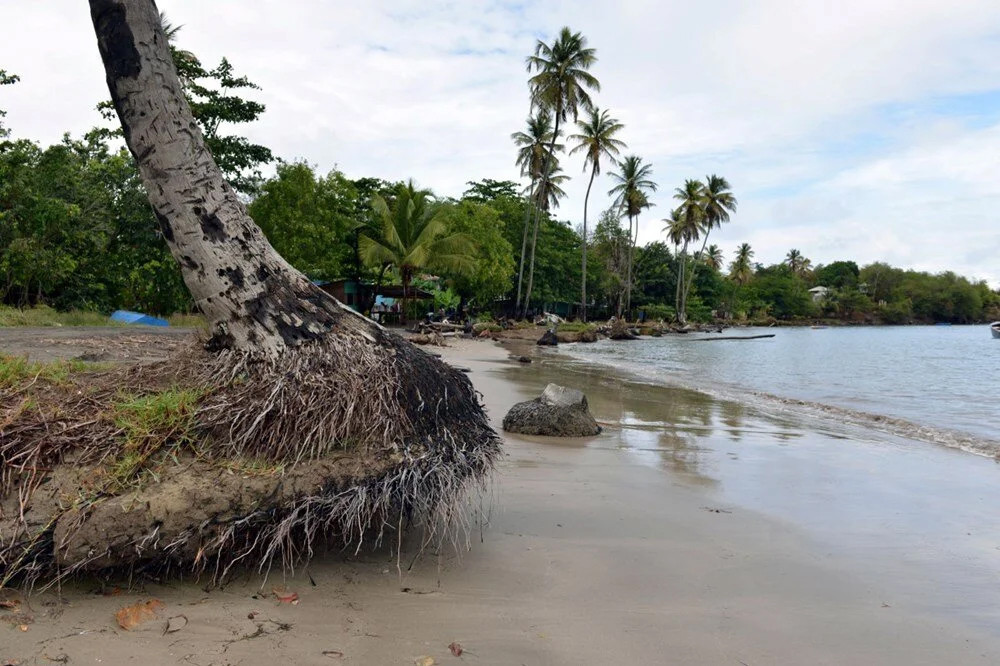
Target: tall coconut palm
column 413, row 237
column 560, row 84
column 532, row 155
column 547, row 196
column 597, row 140
column 798, row 263
column 741, row 269
column 713, row 257
column 631, row 196
column 691, row 214
column 717, row 202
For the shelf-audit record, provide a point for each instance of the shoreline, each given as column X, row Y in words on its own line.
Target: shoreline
column 691, row 530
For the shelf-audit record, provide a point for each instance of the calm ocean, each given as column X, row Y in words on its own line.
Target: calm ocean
column 934, row 383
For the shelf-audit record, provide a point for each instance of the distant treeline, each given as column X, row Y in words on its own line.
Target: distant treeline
column 76, row 231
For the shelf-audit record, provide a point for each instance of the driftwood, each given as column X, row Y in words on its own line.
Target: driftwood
column 734, row 337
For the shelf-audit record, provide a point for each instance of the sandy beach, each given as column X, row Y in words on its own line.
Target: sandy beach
column 691, row 531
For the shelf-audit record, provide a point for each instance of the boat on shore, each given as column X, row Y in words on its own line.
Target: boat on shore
column 995, row 329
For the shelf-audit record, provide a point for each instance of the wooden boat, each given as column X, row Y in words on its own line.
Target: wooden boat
column 995, row 329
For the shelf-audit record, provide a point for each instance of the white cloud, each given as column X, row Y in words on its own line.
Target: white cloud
column 815, row 111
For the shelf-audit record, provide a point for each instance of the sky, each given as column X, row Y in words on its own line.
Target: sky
column 849, row 129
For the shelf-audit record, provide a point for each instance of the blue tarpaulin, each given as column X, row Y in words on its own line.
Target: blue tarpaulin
column 127, row 317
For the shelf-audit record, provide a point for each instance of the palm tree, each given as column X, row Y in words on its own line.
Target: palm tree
column 631, row 198
column 533, row 151
column 560, row 85
column 741, row 270
column 597, row 140
column 691, row 222
column 713, row 257
column 685, row 228
column 717, row 202
column 413, row 237
column 795, row 261
column 547, row 197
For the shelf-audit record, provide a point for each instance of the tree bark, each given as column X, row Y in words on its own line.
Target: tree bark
column 583, row 285
column 542, row 192
column 531, row 270
column 253, row 299
column 524, row 244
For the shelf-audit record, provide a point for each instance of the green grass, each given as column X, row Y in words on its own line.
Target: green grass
column 43, row 315
column 148, row 424
column 16, row 370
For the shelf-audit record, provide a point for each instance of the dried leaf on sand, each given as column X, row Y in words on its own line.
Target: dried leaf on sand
column 130, row 617
column 286, row 597
column 175, row 624
column 424, row 661
column 456, row 649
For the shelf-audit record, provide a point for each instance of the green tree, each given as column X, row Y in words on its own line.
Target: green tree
column 493, row 262
column 596, row 139
column 535, row 148
column 839, row 274
column 308, row 219
column 796, row 262
column 713, row 257
column 685, row 226
column 560, row 85
column 741, row 268
column 717, row 203
column 413, row 236
column 6, row 80
column 633, row 184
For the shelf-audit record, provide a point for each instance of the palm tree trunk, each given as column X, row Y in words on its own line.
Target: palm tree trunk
column 531, row 269
column 583, row 285
column 631, row 259
column 524, row 243
column 253, row 299
column 543, row 192
column 694, row 270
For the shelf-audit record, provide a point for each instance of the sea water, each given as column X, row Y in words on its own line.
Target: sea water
column 933, row 383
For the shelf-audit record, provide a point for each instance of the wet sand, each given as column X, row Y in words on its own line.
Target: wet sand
column 691, row 532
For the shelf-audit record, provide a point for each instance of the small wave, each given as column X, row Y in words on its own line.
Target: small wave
column 769, row 402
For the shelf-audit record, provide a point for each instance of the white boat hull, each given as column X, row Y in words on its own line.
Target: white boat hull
column 995, row 329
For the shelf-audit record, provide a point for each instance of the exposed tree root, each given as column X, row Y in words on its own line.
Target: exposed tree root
column 215, row 460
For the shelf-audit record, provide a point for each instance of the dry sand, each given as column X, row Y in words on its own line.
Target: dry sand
column 598, row 552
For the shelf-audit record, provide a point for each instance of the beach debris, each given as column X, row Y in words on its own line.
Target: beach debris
column 175, row 624
column 424, row 661
column 132, row 616
column 22, row 627
column 285, row 597
column 333, row 654
column 619, row 329
column 10, row 604
column 548, row 339
column 558, row 412
column 253, row 614
column 712, row 509
column 456, row 649
column 523, row 359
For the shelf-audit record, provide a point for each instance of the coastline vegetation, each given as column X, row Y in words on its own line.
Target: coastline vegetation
column 78, row 238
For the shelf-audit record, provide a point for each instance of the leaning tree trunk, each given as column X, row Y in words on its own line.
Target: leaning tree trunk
column 290, row 376
column 252, row 298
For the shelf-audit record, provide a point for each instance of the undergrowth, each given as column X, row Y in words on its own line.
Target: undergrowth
column 18, row 370
column 151, row 424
